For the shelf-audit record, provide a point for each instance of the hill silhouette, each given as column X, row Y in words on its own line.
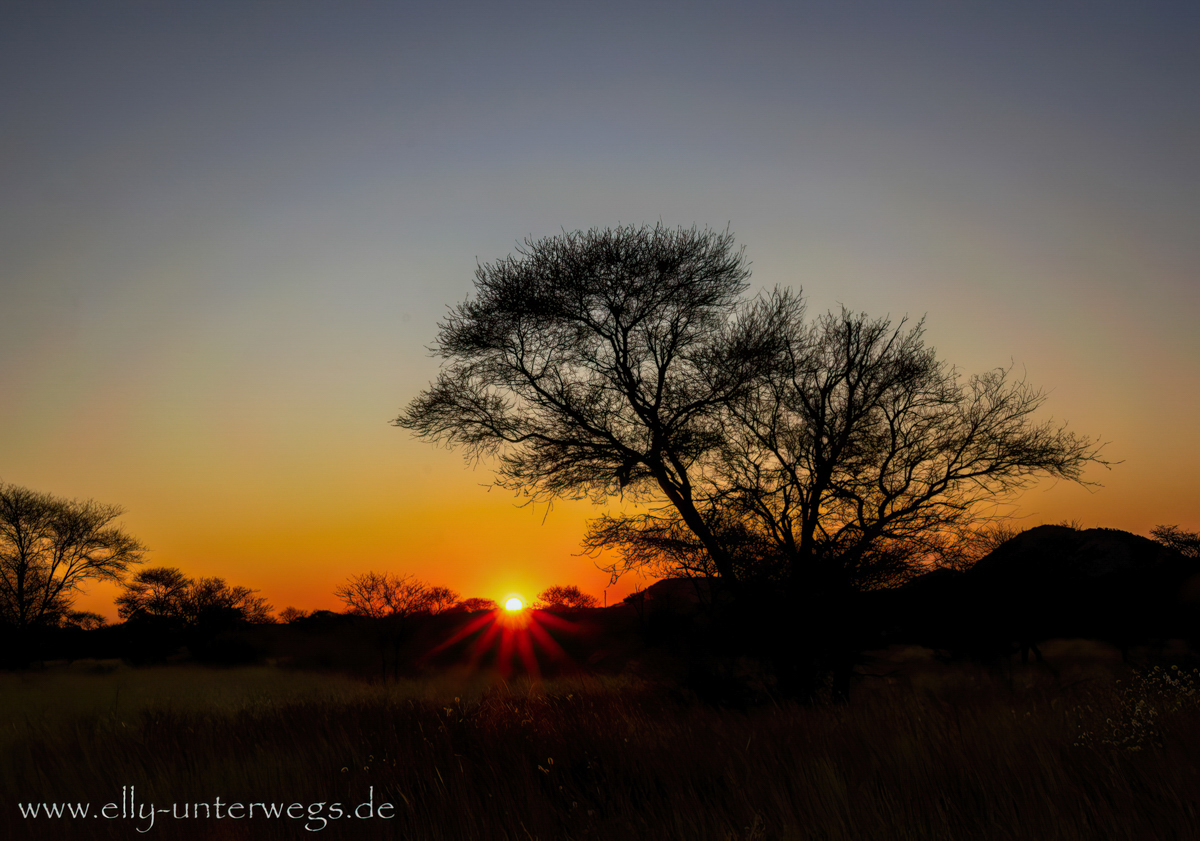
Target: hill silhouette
column 1048, row 582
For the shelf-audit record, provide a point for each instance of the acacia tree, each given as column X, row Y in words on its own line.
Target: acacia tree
column 50, row 548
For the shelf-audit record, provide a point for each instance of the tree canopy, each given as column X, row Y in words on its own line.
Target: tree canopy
column 50, row 547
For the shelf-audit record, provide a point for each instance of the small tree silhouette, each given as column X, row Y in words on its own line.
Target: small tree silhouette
column 1186, row 543
column 382, row 595
column 84, row 619
column 565, row 596
column 440, row 600
column 389, row 599
column 475, row 604
column 155, row 593
column 290, row 614
column 167, row 595
column 164, row 608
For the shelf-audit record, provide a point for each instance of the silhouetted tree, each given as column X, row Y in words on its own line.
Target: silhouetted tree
column 211, row 600
column 440, row 599
column 389, row 599
column 166, row 595
column 165, row 610
column 291, row 614
column 158, row 593
column 474, row 604
column 566, row 596
column 85, row 620
column 831, row 452
column 1186, row 543
column 379, row 595
column 51, row 547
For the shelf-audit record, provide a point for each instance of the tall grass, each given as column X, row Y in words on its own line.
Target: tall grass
column 617, row 759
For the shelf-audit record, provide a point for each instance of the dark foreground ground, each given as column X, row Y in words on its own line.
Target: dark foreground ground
column 1081, row 746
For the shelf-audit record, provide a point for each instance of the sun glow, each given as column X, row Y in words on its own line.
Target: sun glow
column 515, row 638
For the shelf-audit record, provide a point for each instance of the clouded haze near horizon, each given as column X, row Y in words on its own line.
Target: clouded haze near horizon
column 227, row 232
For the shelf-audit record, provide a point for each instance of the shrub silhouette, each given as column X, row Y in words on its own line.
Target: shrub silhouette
column 565, row 596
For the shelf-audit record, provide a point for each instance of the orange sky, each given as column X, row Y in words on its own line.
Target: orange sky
column 226, row 239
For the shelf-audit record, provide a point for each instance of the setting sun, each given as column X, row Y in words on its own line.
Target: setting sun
column 514, row 603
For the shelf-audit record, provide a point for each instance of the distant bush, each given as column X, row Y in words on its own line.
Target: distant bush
column 167, row 596
column 473, row 605
column 565, row 596
column 290, row 614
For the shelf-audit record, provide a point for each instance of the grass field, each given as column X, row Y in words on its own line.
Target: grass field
column 965, row 756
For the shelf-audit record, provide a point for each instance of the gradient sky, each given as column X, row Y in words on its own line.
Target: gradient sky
column 227, row 232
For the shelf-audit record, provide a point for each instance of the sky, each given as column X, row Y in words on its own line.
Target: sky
column 228, row 231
